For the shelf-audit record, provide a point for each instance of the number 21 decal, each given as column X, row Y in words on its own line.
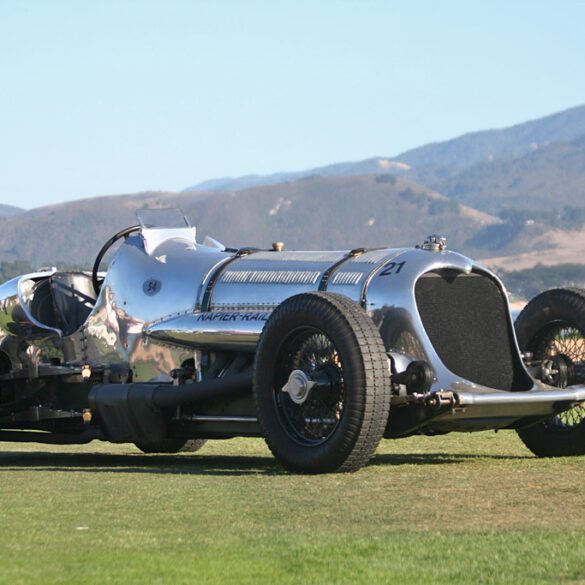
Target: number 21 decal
column 392, row 268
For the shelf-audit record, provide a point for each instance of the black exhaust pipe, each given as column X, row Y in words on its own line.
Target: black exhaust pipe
column 131, row 413
column 166, row 395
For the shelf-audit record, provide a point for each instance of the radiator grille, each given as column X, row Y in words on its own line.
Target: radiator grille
column 466, row 319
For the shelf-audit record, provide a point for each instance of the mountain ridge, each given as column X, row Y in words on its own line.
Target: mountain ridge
column 435, row 161
column 546, row 178
column 8, row 210
column 516, row 198
column 314, row 213
column 373, row 165
column 511, row 141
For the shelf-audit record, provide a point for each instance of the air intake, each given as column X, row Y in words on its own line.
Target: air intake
column 467, row 321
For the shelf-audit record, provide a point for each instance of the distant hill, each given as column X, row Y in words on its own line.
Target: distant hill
column 528, row 283
column 312, row 213
column 7, row 210
column 548, row 178
column 514, row 197
column 370, row 166
column 438, row 161
column 545, row 246
column 531, row 176
column 434, row 163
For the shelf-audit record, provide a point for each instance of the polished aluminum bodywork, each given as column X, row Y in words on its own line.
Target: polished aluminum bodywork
column 166, row 299
column 16, row 317
column 212, row 330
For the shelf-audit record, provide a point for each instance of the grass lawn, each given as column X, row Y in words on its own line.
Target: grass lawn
column 455, row 509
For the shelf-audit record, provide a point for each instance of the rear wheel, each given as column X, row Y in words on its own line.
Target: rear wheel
column 321, row 384
column 172, row 446
column 552, row 328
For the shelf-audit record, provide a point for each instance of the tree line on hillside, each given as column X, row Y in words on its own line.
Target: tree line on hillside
column 496, row 236
column 432, row 205
column 10, row 270
column 532, row 281
column 566, row 217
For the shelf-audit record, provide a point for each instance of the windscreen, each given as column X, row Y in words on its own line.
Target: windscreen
column 162, row 218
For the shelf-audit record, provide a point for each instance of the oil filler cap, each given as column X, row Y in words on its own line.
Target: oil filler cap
column 435, row 243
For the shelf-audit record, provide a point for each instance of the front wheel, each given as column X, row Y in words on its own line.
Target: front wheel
column 552, row 328
column 321, row 384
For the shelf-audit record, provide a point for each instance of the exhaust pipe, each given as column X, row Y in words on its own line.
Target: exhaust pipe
column 131, row 413
column 166, row 395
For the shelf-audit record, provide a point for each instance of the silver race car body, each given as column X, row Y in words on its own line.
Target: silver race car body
column 165, row 346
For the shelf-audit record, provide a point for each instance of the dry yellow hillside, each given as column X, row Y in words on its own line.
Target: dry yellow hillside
column 550, row 248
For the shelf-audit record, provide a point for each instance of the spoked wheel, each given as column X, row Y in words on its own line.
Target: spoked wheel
column 322, row 384
column 552, row 328
column 310, row 371
column 172, row 446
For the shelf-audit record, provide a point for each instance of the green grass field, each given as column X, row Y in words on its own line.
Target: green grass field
column 455, row 509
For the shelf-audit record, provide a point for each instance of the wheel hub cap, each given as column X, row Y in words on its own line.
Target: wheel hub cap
column 555, row 371
column 298, row 386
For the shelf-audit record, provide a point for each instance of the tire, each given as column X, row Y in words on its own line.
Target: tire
column 552, row 328
column 172, row 446
column 333, row 342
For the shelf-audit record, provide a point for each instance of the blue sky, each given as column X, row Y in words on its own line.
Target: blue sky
column 123, row 96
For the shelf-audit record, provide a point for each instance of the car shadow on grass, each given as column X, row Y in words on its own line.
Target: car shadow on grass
column 137, row 463
column 439, row 458
column 219, row 465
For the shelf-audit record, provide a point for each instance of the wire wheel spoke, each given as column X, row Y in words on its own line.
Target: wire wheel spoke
column 561, row 349
column 313, row 421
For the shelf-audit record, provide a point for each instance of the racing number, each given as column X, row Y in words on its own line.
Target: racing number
column 392, row 268
column 151, row 287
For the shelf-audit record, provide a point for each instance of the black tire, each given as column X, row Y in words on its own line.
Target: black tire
column 339, row 426
column 552, row 328
column 172, row 446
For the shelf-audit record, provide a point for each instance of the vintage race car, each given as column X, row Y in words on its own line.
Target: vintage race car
column 322, row 353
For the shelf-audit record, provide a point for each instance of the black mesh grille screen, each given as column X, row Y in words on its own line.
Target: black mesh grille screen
column 466, row 319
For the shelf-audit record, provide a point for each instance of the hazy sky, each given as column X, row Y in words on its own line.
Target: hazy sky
column 119, row 96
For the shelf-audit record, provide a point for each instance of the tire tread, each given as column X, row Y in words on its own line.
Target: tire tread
column 368, row 420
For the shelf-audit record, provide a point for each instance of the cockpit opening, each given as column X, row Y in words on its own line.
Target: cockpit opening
column 63, row 300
